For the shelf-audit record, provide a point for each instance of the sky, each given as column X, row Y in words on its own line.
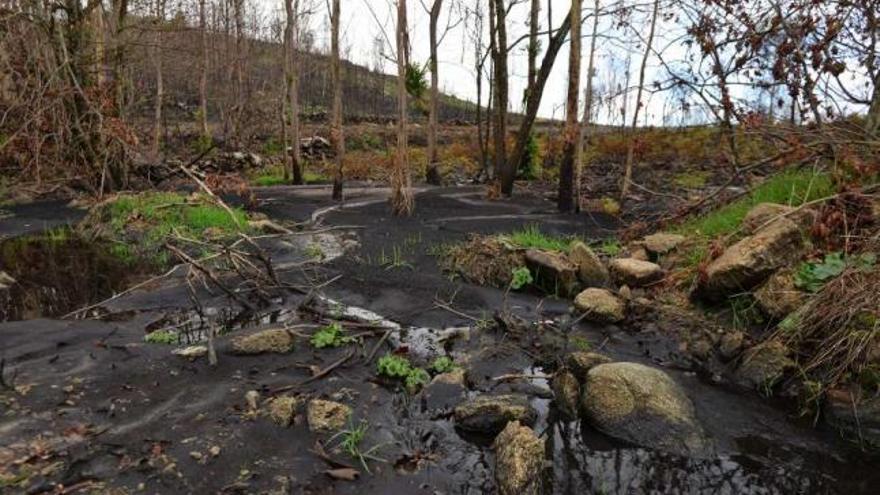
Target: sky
column 363, row 21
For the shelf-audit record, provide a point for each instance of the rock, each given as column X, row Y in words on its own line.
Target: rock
column 600, row 305
column 192, row 352
column 282, row 410
column 779, row 297
column 445, row 390
column 214, row 451
column 644, row 406
column 763, row 365
column 327, row 416
column 730, row 344
column 854, row 416
column 276, row 340
column 566, row 392
column 519, row 460
column 580, row 362
column 590, row 269
column 662, row 243
column 553, row 271
column 752, row 260
column 635, row 273
column 490, row 413
column 761, row 215
column 6, row 280
column 639, row 253
column 252, row 398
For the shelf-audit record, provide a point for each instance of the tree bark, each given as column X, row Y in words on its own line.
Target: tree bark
column 630, row 150
column 291, row 80
column 534, row 100
column 533, row 47
column 872, row 120
column 432, row 174
column 203, row 72
column 504, row 170
column 160, row 90
column 336, row 134
column 588, row 101
column 568, row 189
column 401, row 191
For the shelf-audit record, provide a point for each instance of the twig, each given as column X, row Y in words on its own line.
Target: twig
column 117, row 296
column 321, row 374
column 210, row 275
column 378, row 345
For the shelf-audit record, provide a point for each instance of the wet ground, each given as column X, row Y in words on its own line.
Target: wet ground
column 94, row 404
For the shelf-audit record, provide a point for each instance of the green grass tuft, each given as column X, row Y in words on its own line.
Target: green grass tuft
column 532, row 237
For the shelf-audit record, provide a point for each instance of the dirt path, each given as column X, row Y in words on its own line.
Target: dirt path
column 96, row 404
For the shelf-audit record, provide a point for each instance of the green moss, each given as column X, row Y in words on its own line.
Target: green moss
column 399, row 367
column 161, row 337
column 330, row 336
column 269, row 180
column 443, row 364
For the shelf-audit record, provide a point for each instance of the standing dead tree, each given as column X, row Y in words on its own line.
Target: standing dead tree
column 568, row 187
column 505, row 172
column 432, row 174
column 630, row 149
column 290, row 121
column 337, row 138
column 401, row 182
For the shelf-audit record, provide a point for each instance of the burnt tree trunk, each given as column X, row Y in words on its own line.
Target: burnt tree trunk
column 432, row 174
column 336, row 136
column 571, row 137
column 401, row 190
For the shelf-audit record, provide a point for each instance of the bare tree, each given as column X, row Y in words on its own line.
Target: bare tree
column 568, row 188
column 588, row 99
column 337, row 137
column 401, row 189
column 160, row 89
column 504, row 171
column 534, row 46
column 432, row 175
column 203, row 71
column 630, row 150
column 291, row 80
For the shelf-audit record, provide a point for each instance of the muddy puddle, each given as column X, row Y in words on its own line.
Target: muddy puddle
column 57, row 272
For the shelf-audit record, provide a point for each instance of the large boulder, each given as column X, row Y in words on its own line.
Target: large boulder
column 519, row 460
column 764, row 365
column 277, row 340
column 644, row 406
column 600, row 305
column 779, row 296
column 662, row 243
column 489, row 414
column 635, row 273
column 326, row 416
column 591, row 270
column 752, row 260
column 553, row 271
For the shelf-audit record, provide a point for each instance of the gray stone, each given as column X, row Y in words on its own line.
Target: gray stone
column 600, row 305
column 553, row 271
column 445, row 390
column 490, row 413
column 662, row 243
column 519, row 460
column 644, row 406
column 635, row 273
column 763, row 214
column 854, row 416
column 764, row 365
column 591, row 270
column 752, row 260
column 779, row 297
column 730, row 344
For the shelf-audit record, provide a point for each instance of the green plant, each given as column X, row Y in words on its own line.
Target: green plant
column 399, row 367
column 744, row 311
column 813, row 276
column 350, row 443
column 202, row 144
column 528, row 168
column 443, row 364
column 532, row 237
column 581, row 343
column 521, row 277
column 330, row 336
column 416, row 80
column 397, row 260
column 269, row 180
column 610, row 247
column 166, row 337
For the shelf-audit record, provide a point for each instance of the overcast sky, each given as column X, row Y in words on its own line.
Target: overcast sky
column 365, row 20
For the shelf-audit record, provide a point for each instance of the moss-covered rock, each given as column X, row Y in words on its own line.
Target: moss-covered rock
column 590, row 270
column 581, row 362
column 644, row 406
column 600, row 305
column 277, row 340
column 553, row 271
column 779, row 296
column 326, row 416
column 519, row 460
column 282, row 410
column 490, row 413
column 635, row 273
column 764, row 365
column 566, row 393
